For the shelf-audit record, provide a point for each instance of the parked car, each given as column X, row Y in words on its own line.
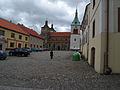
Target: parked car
column 45, row 49
column 3, row 55
column 19, row 52
column 28, row 49
column 36, row 49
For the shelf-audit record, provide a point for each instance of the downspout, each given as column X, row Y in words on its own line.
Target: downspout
column 107, row 69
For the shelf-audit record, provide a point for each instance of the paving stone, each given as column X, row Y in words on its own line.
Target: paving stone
column 39, row 72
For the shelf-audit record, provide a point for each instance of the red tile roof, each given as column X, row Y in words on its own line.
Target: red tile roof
column 60, row 34
column 6, row 24
column 63, row 41
column 31, row 32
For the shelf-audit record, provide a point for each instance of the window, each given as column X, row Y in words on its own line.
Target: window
column 34, row 46
column 11, row 44
column 40, row 46
column 118, row 19
column 93, row 33
column 93, row 4
column 54, row 45
column 75, row 39
column 86, row 36
column 2, row 32
column 20, row 37
column 49, row 45
column 31, row 45
column 12, row 35
column 19, row 45
column 25, row 45
column 26, row 38
column 0, row 46
column 75, row 31
column 37, row 46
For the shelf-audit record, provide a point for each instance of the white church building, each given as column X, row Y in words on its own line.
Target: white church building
column 75, row 33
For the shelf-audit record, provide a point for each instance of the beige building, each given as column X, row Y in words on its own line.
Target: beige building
column 85, row 32
column 35, row 40
column 102, row 46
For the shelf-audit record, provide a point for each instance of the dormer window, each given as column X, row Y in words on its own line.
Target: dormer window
column 75, row 22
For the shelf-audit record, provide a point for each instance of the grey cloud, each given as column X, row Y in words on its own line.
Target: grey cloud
column 72, row 3
column 29, row 13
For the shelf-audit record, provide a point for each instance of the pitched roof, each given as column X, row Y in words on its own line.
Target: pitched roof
column 60, row 34
column 11, row 26
column 31, row 32
column 62, row 41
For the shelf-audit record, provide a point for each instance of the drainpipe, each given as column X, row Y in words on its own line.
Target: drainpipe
column 107, row 69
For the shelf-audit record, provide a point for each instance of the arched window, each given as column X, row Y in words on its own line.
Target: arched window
column 75, row 31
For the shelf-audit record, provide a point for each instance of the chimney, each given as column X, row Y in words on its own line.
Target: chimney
column 52, row 26
column 46, row 23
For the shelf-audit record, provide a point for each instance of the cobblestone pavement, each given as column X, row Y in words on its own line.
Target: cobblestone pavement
column 39, row 72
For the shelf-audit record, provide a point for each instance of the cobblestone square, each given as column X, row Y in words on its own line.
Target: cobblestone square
column 39, row 72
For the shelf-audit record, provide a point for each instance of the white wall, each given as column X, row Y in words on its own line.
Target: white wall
column 75, row 44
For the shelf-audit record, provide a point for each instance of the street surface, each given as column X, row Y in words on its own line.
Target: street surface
column 39, row 72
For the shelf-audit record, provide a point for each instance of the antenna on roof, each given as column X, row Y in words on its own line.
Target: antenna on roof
column 77, row 3
column 11, row 21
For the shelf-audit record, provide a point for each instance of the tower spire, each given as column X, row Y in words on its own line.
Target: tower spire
column 76, row 20
column 76, row 13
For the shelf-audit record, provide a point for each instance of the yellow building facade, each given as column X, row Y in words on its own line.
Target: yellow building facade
column 15, row 37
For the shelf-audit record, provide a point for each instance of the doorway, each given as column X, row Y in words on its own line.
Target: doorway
column 58, row 47
column 93, row 57
column 0, row 46
column 118, row 19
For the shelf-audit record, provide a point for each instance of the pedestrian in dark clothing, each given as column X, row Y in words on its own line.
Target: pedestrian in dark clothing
column 51, row 54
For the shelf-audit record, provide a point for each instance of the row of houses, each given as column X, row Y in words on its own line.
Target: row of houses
column 18, row 36
column 101, row 35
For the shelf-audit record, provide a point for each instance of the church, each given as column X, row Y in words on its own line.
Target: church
column 62, row 40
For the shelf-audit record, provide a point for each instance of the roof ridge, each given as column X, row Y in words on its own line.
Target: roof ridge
column 12, row 26
column 32, row 32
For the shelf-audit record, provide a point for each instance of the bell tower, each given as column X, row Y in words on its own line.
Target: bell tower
column 75, row 33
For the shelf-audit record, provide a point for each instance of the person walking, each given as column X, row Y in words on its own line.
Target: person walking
column 51, row 54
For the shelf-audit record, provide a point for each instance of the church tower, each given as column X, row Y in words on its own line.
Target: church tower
column 75, row 33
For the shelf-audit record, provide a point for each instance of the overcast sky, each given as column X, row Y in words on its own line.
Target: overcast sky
column 33, row 13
